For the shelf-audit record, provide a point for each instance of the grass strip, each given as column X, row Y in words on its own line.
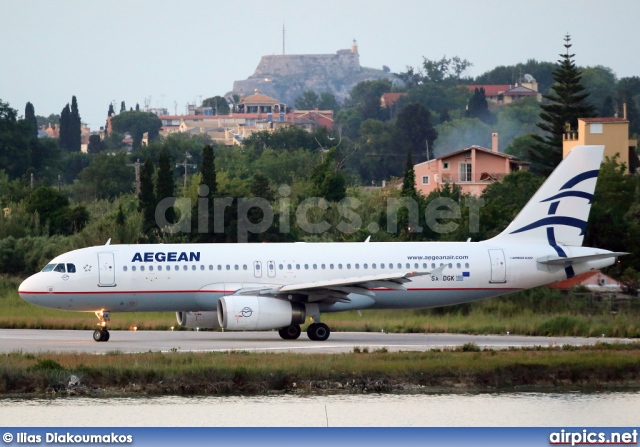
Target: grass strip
column 466, row 368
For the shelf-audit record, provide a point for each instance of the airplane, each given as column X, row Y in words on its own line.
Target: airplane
column 249, row 287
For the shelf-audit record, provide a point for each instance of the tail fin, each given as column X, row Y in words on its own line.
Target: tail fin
column 557, row 213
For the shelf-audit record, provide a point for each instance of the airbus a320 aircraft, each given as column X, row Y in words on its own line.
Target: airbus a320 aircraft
column 247, row 287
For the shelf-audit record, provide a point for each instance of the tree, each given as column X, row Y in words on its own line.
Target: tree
column 95, row 144
column 415, row 131
column 165, row 185
column 123, row 107
column 567, row 103
column 327, row 180
column 328, row 101
column 111, row 111
column 365, row 97
column 308, row 100
column 219, row 104
column 137, row 107
column 137, row 124
column 30, row 118
column 65, row 126
column 478, row 107
column 54, row 211
column 208, row 170
column 147, row 198
column 106, row 177
column 75, row 127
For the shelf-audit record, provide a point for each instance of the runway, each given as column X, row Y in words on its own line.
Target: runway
column 35, row 341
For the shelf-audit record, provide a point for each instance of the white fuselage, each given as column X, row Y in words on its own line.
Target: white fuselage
column 192, row 277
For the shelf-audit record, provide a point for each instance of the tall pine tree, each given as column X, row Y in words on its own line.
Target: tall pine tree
column 566, row 103
column 147, row 198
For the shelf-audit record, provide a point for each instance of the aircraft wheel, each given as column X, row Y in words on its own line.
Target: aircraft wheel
column 98, row 335
column 290, row 332
column 105, row 336
column 318, row 332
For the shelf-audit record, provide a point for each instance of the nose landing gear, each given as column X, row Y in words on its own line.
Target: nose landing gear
column 102, row 334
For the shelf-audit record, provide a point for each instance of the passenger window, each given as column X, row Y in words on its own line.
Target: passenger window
column 315, row 266
column 71, row 268
column 124, row 268
column 176, row 268
column 433, row 265
column 323, row 266
column 382, row 265
column 228, row 267
column 408, row 265
column 297, row 266
column 399, row 265
column 151, row 268
column 159, row 268
column 142, row 268
column 340, row 266
column 48, row 267
column 193, row 267
column 466, row 265
column 219, row 267
column 210, row 267
column 184, row 267
column 373, row 266
column 450, row 265
column 349, row 266
column 415, row 266
column 331, row 266
column 288, row 266
column 244, row 266
column 59, row 268
column 281, row 267
column 236, row 267
column 133, row 268
column 357, row 266
column 365, row 266
column 202, row 267
column 306, row 266
column 458, row 265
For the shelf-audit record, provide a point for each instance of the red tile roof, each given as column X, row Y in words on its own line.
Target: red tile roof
column 490, row 90
column 389, row 99
column 572, row 282
column 259, row 98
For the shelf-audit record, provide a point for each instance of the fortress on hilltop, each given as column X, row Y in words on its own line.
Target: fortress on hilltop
column 286, row 76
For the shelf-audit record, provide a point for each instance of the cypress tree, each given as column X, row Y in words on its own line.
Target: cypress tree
column 65, row 123
column 123, row 108
column 75, row 133
column 165, row 185
column 30, row 117
column 567, row 103
column 208, row 170
column 146, row 198
column 111, row 111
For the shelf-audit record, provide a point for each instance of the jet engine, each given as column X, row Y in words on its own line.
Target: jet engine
column 255, row 313
column 202, row 320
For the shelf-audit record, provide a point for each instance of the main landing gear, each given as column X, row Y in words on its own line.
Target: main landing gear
column 102, row 334
column 315, row 331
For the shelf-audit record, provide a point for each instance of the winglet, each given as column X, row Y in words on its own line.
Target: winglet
column 108, row 242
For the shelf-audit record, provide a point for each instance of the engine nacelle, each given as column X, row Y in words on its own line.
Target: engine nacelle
column 203, row 320
column 256, row 313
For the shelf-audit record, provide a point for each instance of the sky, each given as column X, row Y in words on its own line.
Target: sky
column 170, row 53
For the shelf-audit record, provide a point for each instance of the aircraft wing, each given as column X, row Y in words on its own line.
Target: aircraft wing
column 558, row 260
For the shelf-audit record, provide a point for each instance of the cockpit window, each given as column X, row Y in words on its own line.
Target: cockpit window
column 59, row 268
column 71, row 268
column 48, row 267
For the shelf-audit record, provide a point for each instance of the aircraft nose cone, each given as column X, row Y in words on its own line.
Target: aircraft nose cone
column 25, row 288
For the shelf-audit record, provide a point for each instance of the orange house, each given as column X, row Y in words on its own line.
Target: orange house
column 472, row 169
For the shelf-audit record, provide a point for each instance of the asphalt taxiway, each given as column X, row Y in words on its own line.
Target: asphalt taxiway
column 34, row 341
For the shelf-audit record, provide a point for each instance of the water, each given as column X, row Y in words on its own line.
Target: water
column 504, row 409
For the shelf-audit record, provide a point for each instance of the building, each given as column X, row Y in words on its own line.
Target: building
column 499, row 95
column 472, row 169
column 595, row 281
column 612, row 132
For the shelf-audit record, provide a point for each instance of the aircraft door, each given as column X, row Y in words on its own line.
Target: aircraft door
column 257, row 269
column 271, row 269
column 106, row 270
column 498, row 266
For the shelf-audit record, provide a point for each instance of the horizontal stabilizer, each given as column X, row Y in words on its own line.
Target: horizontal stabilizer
column 558, row 260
